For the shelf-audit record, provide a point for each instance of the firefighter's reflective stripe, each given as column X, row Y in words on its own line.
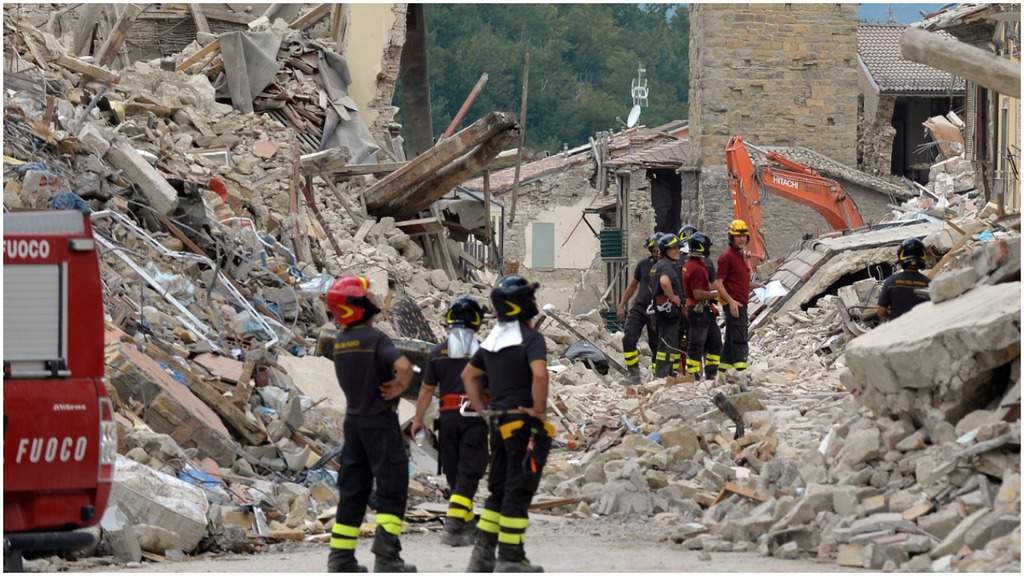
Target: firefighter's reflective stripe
column 489, row 521
column 508, row 428
column 692, row 366
column 512, row 530
column 725, row 366
column 712, row 359
column 460, row 507
column 632, row 357
column 740, row 365
column 676, row 360
column 344, row 537
column 390, row 523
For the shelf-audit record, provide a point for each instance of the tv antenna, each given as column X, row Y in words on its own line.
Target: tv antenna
column 639, row 92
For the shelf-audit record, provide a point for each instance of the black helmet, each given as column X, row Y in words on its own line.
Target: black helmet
column 465, row 312
column 699, row 244
column 685, row 232
column 652, row 242
column 514, row 298
column 667, row 240
column 911, row 253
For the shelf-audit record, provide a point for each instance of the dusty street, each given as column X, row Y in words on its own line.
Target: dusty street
column 587, row 546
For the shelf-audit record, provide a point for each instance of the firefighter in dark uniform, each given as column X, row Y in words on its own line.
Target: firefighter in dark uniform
column 373, row 374
column 900, row 291
column 638, row 319
column 463, row 438
column 733, row 285
column 705, row 339
column 514, row 359
column 684, row 248
column 668, row 292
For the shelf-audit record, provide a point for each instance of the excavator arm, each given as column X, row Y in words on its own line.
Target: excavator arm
column 788, row 179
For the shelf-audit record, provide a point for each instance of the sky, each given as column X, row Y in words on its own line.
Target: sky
column 904, row 13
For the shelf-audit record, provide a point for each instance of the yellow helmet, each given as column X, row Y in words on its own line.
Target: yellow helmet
column 738, row 228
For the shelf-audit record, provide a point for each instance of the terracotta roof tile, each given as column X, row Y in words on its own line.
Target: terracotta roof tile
column 879, row 48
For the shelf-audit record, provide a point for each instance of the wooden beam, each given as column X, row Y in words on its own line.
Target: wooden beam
column 522, row 136
column 311, row 17
column 81, row 43
column 398, row 184
column 981, row 66
column 199, row 55
column 106, row 54
column 200, row 19
column 451, row 176
column 82, row 67
column 477, row 88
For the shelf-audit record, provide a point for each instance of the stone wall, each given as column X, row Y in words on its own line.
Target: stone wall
column 875, row 132
column 776, row 74
column 784, row 223
column 574, row 288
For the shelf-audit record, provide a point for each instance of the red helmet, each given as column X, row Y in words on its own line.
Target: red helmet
column 348, row 299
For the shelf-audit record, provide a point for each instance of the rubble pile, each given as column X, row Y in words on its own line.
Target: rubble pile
column 214, row 262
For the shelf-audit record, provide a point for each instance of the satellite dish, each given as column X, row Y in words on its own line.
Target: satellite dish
column 634, row 116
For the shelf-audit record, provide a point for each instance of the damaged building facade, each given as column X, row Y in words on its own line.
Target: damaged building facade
column 220, row 222
column 897, row 98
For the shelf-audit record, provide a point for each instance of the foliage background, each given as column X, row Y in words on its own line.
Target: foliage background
column 583, row 58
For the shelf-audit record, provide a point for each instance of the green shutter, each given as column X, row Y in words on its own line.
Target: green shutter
column 543, row 245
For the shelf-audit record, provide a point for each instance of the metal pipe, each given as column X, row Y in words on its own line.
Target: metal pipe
column 163, row 250
column 465, row 106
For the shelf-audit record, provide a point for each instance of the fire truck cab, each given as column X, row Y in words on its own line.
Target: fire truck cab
column 60, row 439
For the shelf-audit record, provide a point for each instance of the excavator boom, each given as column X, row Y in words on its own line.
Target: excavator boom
column 788, row 179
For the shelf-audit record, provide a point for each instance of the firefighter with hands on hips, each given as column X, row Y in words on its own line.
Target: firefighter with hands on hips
column 704, row 337
column 733, row 285
column 372, row 374
column 463, row 446
column 668, row 292
column 903, row 290
column 513, row 358
column 638, row 317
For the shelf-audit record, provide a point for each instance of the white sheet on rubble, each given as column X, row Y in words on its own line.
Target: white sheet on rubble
column 773, row 289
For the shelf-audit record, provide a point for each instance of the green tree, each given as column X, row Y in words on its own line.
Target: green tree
column 583, row 58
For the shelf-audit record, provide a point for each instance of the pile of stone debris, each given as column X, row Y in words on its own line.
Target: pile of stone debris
column 214, row 260
column 889, row 448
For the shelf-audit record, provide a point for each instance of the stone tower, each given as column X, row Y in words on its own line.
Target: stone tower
column 775, row 74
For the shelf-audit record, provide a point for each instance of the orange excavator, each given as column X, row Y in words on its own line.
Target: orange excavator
column 750, row 185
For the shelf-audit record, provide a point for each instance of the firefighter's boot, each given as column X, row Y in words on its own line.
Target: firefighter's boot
column 343, row 561
column 456, row 533
column 633, row 374
column 386, row 548
column 512, row 558
column 482, row 559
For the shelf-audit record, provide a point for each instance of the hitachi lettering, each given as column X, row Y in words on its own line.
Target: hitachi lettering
column 52, row 449
column 27, row 248
column 785, row 181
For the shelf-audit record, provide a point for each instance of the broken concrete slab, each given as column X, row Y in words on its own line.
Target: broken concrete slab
column 90, row 138
column 941, row 523
column 119, row 534
column 151, row 499
column 924, row 361
column 955, row 539
column 952, row 283
column 315, row 377
column 860, row 446
column 682, row 435
column 160, row 194
column 879, row 522
column 171, row 408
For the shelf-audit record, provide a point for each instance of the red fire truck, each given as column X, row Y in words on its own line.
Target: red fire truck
column 60, row 439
